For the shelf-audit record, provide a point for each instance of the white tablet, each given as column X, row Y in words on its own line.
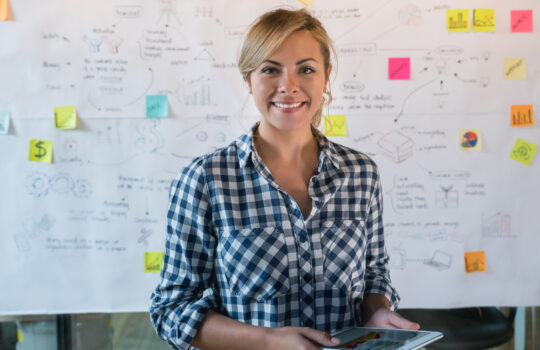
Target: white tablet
column 368, row 338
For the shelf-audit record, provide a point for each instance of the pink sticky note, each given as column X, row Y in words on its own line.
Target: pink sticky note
column 399, row 68
column 521, row 21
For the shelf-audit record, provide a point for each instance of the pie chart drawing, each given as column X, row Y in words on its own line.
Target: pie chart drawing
column 470, row 140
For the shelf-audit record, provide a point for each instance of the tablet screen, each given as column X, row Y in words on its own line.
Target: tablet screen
column 367, row 338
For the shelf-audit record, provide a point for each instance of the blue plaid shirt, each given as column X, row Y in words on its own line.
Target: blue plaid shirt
column 237, row 243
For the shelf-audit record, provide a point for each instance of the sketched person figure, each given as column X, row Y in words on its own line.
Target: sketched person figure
column 276, row 239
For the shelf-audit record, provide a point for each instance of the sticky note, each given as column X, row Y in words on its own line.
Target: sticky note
column 399, row 68
column 65, row 117
column 475, row 261
column 523, row 151
column 515, row 68
column 470, row 140
column 20, row 337
column 521, row 21
column 335, row 125
column 458, row 20
column 40, row 151
column 4, row 10
column 157, row 106
column 153, row 261
column 484, row 20
column 522, row 115
column 4, row 122
column 306, row 3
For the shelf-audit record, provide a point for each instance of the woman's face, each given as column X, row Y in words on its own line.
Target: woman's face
column 288, row 86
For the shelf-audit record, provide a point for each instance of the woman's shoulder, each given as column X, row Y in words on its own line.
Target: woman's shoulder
column 218, row 159
column 352, row 159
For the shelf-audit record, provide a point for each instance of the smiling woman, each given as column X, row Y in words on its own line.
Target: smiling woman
column 276, row 240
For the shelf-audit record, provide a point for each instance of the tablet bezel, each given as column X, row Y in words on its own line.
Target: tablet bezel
column 422, row 337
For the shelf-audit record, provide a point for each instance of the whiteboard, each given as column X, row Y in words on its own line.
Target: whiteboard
column 73, row 234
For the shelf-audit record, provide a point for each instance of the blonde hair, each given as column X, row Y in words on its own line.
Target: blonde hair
column 270, row 30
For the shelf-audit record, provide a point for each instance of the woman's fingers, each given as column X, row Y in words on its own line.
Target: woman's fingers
column 319, row 337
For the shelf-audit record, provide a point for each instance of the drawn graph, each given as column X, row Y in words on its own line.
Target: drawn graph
column 197, row 92
column 498, row 225
column 483, row 18
column 458, row 21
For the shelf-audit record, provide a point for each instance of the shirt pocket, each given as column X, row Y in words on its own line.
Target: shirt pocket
column 255, row 262
column 343, row 247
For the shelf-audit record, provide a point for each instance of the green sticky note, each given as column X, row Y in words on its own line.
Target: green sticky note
column 4, row 122
column 65, row 117
column 153, row 261
column 157, row 106
column 40, row 151
column 523, row 151
column 335, row 125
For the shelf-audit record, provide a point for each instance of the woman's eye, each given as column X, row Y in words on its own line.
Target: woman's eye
column 268, row 70
column 307, row 70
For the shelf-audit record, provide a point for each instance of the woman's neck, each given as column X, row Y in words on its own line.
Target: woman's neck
column 299, row 145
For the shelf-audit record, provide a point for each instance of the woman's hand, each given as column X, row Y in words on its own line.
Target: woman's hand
column 298, row 338
column 384, row 318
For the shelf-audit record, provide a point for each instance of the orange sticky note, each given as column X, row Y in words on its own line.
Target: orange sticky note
column 4, row 10
column 522, row 115
column 475, row 261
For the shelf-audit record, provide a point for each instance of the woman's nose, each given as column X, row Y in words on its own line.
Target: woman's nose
column 288, row 83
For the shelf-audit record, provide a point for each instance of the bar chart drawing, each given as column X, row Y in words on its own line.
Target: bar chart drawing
column 196, row 92
column 522, row 115
column 460, row 23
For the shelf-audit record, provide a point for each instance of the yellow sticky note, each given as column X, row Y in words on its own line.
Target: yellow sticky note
column 335, row 125
column 458, row 20
column 20, row 337
column 65, row 117
column 470, row 140
column 523, row 151
column 306, row 3
column 484, row 20
column 40, row 151
column 153, row 261
column 515, row 68
column 475, row 261
column 522, row 115
column 4, row 10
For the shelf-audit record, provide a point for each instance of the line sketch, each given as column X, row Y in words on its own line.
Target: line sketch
column 397, row 146
column 446, row 197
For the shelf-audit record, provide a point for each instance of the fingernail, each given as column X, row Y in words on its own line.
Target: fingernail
column 334, row 340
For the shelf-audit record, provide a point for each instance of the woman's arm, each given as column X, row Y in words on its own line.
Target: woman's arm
column 220, row 332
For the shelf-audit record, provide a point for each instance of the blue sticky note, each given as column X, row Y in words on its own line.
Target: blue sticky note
column 4, row 122
column 157, row 106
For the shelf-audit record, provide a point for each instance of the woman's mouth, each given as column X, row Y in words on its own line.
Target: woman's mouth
column 288, row 107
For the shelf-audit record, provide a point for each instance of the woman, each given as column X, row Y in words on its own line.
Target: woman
column 276, row 239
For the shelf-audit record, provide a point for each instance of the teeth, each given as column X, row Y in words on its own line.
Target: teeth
column 283, row 105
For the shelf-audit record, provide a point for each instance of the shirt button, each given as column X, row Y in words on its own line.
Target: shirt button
column 302, row 238
column 309, row 323
column 307, row 278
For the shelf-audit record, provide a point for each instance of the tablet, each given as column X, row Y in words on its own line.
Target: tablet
column 369, row 338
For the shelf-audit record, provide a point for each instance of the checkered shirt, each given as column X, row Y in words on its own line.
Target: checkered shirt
column 238, row 244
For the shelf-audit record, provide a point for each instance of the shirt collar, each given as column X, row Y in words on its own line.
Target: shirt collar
column 246, row 147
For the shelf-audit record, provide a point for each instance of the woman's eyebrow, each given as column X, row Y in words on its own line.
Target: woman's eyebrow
column 297, row 63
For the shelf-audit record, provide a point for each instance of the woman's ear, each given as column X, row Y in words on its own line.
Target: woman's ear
column 247, row 79
column 328, row 73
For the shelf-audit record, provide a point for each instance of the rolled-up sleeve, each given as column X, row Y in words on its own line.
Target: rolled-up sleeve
column 184, row 294
column 377, row 276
